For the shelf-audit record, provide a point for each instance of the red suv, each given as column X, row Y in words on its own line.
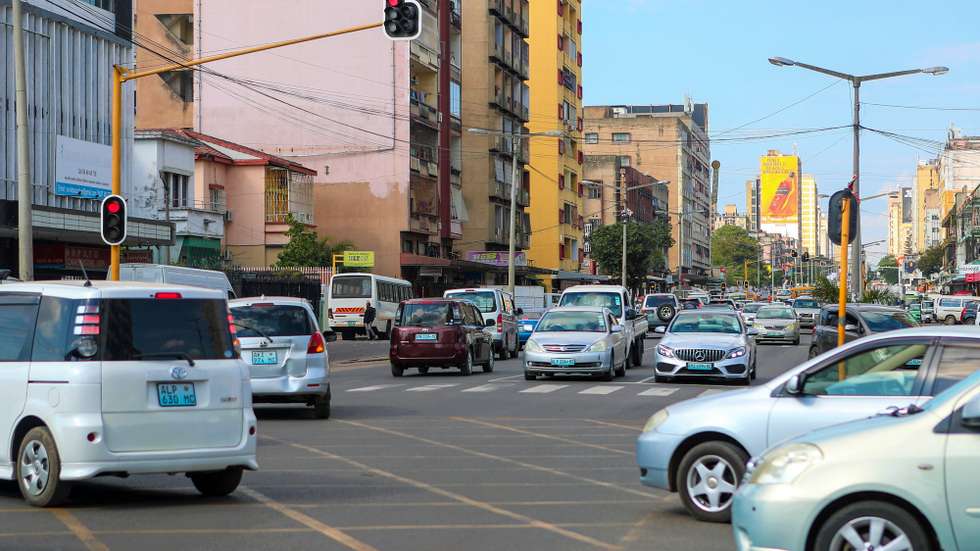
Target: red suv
column 441, row 333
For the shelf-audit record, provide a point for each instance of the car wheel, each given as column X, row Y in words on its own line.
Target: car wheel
column 813, row 353
column 755, row 372
column 423, row 371
column 488, row 367
column 528, row 376
column 467, row 368
column 797, row 341
column 747, row 380
column 636, row 355
column 950, row 320
column 621, row 370
column 387, row 334
column 666, row 312
column 397, row 370
column 707, row 479
column 872, row 525
column 503, row 353
column 609, row 374
column 39, row 469
column 517, row 348
column 219, row 483
column 321, row 407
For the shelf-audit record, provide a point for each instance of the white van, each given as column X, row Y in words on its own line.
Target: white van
column 111, row 379
column 176, row 275
column 497, row 305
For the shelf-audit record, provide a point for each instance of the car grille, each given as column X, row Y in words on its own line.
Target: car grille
column 699, row 354
column 564, row 347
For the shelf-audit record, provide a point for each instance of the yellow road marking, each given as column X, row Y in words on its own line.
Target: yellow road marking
column 45, row 533
column 308, row 521
column 478, row 526
column 539, row 435
column 608, row 424
column 81, row 531
column 459, row 497
column 636, row 531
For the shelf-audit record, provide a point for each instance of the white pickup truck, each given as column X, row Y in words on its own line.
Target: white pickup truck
column 618, row 300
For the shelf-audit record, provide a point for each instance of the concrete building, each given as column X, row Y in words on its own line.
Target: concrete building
column 70, row 48
column 166, row 100
column 931, row 222
column 826, row 248
column 926, row 180
column 495, row 96
column 808, row 215
column 900, row 231
column 637, row 133
column 557, row 196
column 729, row 217
column 752, row 204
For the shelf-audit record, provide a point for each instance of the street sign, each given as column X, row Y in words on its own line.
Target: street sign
column 834, row 216
column 358, row 259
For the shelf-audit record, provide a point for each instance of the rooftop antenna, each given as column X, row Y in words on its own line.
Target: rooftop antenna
column 88, row 282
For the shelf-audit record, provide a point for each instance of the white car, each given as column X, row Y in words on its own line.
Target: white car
column 105, row 378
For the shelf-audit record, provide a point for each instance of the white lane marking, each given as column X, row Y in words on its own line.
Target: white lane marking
column 711, row 391
column 372, row 388
column 647, row 379
column 601, row 390
column 430, row 388
column 486, row 388
column 659, row 391
column 543, row 389
column 504, row 378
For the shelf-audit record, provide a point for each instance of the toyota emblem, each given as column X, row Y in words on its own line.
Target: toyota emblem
column 699, row 355
column 179, row 372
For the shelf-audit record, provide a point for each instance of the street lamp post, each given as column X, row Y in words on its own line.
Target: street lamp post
column 856, row 81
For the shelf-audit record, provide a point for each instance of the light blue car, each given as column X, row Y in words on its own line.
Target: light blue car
column 901, row 481
column 699, row 447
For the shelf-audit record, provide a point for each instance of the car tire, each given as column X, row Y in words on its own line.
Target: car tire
column 397, row 370
column 466, row 369
column 716, row 458
column 747, row 380
column 517, row 347
column 633, row 359
column 387, row 335
column 218, row 483
column 755, row 371
column 503, row 353
column 423, row 370
column 488, row 367
column 949, row 320
column 621, row 370
column 796, row 342
column 321, row 407
column 666, row 312
column 857, row 515
column 528, row 376
column 813, row 353
column 609, row 374
column 43, row 487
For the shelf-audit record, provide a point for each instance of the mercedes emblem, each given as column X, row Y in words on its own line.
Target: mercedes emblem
column 699, row 355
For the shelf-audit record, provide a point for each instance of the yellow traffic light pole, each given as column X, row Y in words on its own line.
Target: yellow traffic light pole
column 121, row 75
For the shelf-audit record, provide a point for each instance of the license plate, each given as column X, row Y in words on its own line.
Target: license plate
column 774, row 334
column 426, row 337
column 563, row 361
column 265, row 357
column 527, row 328
column 176, row 395
column 700, row 366
column 351, row 323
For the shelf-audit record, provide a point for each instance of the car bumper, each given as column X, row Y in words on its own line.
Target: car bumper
column 776, row 334
column 806, row 322
column 315, row 383
column 771, row 518
column 436, row 354
column 653, row 453
column 735, row 368
column 585, row 362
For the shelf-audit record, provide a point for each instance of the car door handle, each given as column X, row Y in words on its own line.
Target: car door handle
column 973, row 511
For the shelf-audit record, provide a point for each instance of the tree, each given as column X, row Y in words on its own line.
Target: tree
column 306, row 249
column 731, row 248
column 931, row 261
column 644, row 243
column 888, row 269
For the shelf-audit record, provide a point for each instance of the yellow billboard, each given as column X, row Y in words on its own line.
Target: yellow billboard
column 779, row 195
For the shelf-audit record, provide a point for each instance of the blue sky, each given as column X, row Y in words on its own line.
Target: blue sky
column 715, row 51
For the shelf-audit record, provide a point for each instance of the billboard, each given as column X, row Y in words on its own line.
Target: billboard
column 82, row 169
column 779, row 201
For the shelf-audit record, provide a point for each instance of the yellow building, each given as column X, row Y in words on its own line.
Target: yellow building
column 926, row 178
column 556, row 203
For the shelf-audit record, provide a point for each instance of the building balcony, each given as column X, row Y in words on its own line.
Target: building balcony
column 200, row 221
column 501, row 190
column 421, row 163
column 425, row 114
column 425, row 56
column 502, row 145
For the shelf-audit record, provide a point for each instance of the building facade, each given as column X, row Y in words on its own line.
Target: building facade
column 809, row 216
column 926, row 181
column 900, row 230
column 556, row 210
column 730, row 216
column 752, row 204
column 166, row 100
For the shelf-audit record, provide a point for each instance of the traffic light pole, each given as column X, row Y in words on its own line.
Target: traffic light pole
column 121, row 75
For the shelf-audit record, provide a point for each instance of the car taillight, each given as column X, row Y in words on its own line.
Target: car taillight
column 500, row 322
column 234, row 337
column 316, row 344
column 167, row 296
column 87, row 320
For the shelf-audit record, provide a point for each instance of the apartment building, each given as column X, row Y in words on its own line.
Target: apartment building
column 729, row 217
column 557, row 194
column 752, row 204
column 826, row 247
column 637, row 134
column 931, row 222
column 926, row 180
column 900, row 236
column 165, row 100
column 808, row 214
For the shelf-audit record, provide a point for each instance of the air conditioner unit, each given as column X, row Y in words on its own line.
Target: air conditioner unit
column 228, row 216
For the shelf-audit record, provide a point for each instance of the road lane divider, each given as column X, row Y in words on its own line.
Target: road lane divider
column 82, row 532
column 540, row 435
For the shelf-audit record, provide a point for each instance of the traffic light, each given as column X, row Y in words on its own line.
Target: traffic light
column 403, row 19
column 834, row 216
column 113, row 217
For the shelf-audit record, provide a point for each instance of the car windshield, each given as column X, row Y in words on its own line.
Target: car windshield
column 486, row 301
column 775, row 314
column 589, row 322
column 435, row 314
column 653, row 301
column 141, row 328
column 887, row 321
column 603, row 300
column 720, row 304
column 706, row 322
column 272, row 320
column 752, row 308
column 806, row 303
column 351, row 287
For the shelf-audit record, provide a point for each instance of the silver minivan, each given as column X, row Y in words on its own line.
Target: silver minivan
column 498, row 306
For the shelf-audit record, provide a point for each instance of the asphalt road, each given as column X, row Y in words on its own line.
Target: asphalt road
column 486, row 462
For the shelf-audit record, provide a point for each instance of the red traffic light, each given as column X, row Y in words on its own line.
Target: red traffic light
column 113, row 207
column 113, row 220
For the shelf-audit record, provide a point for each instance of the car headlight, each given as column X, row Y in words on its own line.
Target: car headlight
column 736, row 352
column 784, row 464
column 533, row 346
column 665, row 351
column 598, row 346
column 656, row 420
column 791, row 326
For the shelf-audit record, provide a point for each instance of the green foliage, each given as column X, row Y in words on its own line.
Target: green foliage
column 643, row 245
column 825, row 290
column 731, row 247
column 888, row 269
column 306, row 249
column 879, row 296
column 931, row 260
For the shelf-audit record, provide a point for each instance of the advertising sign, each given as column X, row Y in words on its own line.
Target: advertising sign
column 779, row 204
column 359, row 259
column 82, row 169
column 494, row 258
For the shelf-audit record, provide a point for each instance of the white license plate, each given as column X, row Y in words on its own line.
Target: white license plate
column 265, row 357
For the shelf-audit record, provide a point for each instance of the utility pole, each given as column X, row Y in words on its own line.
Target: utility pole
column 25, row 191
column 515, row 150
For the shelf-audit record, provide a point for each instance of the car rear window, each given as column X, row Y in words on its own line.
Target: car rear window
column 654, row 301
column 351, row 287
column 434, row 314
column 272, row 320
column 604, row 300
column 486, row 301
column 751, row 308
column 805, row 303
column 134, row 329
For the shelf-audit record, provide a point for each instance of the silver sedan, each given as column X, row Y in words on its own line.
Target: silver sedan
column 777, row 323
column 706, row 343
column 576, row 340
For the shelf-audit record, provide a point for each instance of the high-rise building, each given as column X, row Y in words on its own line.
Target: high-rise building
column 637, row 134
column 752, row 204
column 926, row 179
column 825, row 246
column 808, row 215
column 900, row 238
column 557, row 195
column 932, row 219
column 780, row 197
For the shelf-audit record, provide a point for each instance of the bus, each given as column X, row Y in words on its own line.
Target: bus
column 348, row 294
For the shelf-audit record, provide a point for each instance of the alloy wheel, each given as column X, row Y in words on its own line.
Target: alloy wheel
column 870, row 534
column 711, row 483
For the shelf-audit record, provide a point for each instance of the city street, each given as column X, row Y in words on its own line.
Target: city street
column 487, row 462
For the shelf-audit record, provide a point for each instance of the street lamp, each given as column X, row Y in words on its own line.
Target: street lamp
column 515, row 148
column 856, row 81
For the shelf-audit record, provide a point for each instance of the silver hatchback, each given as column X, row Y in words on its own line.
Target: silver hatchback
column 285, row 351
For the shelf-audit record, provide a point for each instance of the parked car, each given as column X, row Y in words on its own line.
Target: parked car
column 706, row 344
column 718, row 433
column 749, row 311
column 497, row 305
column 443, row 333
column 948, row 309
column 177, row 275
column 861, row 320
column 659, row 309
column 815, row 492
column 969, row 314
column 106, row 378
column 777, row 322
column 578, row 341
column 526, row 325
column 617, row 299
column 928, row 311
column 287, row 357
column 807, row 311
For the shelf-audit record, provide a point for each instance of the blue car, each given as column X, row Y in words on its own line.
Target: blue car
column 526, row 326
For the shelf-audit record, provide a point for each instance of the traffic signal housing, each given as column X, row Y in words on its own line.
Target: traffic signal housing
column 834, row 216
column 113, row 218
column 403, row 19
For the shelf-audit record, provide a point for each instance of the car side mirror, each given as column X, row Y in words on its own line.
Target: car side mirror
column 852, row 328
column 971, row 413
column 660, row 329
column 329, row 336
column 794, row 385
column 490, row 323
column 617, row 328
column 752, row 332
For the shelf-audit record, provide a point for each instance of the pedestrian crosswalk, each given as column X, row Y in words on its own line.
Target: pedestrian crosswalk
column 637, row 389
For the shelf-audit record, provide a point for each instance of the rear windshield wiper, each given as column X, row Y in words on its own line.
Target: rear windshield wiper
column 249, row 328
column 177, row 355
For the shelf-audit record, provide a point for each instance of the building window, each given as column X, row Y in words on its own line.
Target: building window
column 176, row 186
column 621, row 137
column 107, row 5
column 624, row 160
column 218, row 201
column 591, row 137
column 181, row 83
column 595, row 191
column 454, row 99
column 179, row 25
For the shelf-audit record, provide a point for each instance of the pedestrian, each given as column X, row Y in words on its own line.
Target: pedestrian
column 369, row 314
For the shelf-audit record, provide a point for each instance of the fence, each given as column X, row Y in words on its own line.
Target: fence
column 306, row 282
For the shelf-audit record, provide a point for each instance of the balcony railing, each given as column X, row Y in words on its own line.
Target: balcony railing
column 424, row 113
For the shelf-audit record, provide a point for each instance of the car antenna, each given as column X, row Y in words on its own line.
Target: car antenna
column 88, row 282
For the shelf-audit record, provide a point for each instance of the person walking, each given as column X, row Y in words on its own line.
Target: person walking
column 369, row 314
